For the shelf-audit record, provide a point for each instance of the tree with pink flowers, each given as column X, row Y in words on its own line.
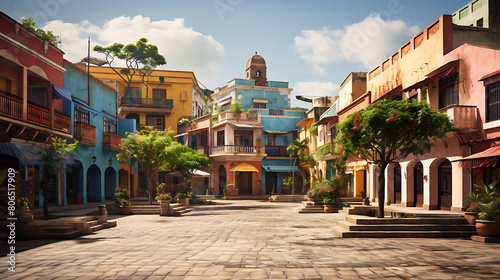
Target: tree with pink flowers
column 389, row 130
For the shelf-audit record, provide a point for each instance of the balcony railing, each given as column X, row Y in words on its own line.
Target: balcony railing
column 62, row 122
column 202, row 149
column 276, row 112
column 254, row 117
column 236, row 149
column 133, row 101
column 85, row 133
column 38, row 114
column 111, row 141
column 464, row 117
column 11, row 105
column 277, row 151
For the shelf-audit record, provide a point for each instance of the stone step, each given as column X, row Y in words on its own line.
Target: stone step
column 406, row 227
column 109, row 224
column 364, row 220
column 342, row 232
column 351, row 199
column 92, row 223
column 96, row 227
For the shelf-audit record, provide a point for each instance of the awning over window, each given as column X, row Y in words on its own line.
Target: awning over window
column 60, row 93
column 325, row 120
column 86, row 107
column 201, row 173
column 244, row 167
column 486, row 158
column 275, row 132
column 444, row 74
column 240, row 125
column 278, row 168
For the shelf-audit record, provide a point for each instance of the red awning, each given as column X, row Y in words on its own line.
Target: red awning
column 486, row 158
column 490, row 75
column 445, row 74
column 325, row 120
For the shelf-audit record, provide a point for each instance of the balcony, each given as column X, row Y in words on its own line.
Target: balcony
column 146, row 105
column 464, row 117
column 234, row 149
column 203, row 150
column 276, row 151
column 85, row 133
column 12, row 107
column 111, row 141
column 251, row 117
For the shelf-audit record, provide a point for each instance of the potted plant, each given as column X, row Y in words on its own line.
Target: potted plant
column 236, row 107
column 487, row 200
column 328, row 204
column 312, row 194
column 164, row 198
column 182, row 198
column 481, row 193
column 252, row 114
column 121, row 200
column 192, row 196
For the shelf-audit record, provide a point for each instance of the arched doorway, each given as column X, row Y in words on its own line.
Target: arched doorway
column 74, row 183
column 444, row 185
column 222, row 179
column 109, row 183
column 418, row 184
column 94, row 183
column 397, row 184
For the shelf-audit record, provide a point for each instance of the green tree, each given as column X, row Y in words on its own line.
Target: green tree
column 140, row 58
column 51, row 157
column 389, row 130
column 300, row 150
column 157, row 150
column 48, row 36
column 154, row 149
column 188, row 161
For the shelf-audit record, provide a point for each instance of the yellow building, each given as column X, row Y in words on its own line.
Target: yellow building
column 164, row 98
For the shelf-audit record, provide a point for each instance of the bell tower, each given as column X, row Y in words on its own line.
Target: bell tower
column 256, row 70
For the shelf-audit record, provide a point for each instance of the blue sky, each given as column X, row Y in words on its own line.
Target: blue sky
column 313, row 45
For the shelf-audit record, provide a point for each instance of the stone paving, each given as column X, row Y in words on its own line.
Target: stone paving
column 247, row 240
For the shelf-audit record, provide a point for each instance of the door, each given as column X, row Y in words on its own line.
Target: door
column 418, row 184
column 271, row 182
column 397, row 184
column 444, row 186
column 244, row 181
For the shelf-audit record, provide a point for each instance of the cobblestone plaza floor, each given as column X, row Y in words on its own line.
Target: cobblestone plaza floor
column 247, row 240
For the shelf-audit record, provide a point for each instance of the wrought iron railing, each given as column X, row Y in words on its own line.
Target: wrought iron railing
column 235, row 149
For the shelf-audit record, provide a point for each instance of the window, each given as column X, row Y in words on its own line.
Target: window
column 81, row 115
column 493, row 102
column 159, row 95
column 479, row 22
column 135, row 92
column 156, row 121
column 259, row 105
column 225, row 107
column 464, row 12
column 448, row 91
column 243, row 138
column 109, row 125
column 39, row 96
column 271, row 140
column 220, row 138
column 476, row 5
column 257, row 74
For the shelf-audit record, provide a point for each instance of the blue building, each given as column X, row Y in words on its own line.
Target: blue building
column 93, row 176
column 248, row 148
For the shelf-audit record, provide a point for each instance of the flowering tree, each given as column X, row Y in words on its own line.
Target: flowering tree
column 51, row 157
column 389, row 130
column 300, row 150
column 188, row 161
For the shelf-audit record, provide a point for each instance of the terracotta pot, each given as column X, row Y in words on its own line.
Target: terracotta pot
column 270, row 199
column 226, row 197
column 311, row 199
column 471, row 217
column 488, row 228
column 125, row 209
column 328, row 208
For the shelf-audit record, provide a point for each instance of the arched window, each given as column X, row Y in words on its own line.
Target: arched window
column 257, row 74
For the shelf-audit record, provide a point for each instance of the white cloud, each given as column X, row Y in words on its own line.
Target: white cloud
column 316, row 89
column 183, row 48
column 367, row 42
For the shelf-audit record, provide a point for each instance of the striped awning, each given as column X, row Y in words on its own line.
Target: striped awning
column 486, row 158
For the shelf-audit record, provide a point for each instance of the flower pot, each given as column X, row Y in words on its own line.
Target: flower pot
column 270, row 199
column 471, row 217
column 226, row 197
column 125, row 209
column 488, row 228
column 328, row 208
column 311, row 199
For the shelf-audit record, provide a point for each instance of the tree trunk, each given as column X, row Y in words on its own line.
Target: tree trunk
column 381, row 190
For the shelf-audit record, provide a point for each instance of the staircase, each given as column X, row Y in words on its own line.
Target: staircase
column 356, row 226
column 317, row 207
column 178, row 209
column 140, row 206
column 69, row 227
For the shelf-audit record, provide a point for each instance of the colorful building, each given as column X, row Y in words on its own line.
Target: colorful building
column 94, row 174
column 31, row 105
column 444, row 64
column 248, row 149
